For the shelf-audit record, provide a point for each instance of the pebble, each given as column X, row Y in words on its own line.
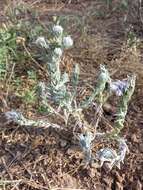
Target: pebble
column 134, row 138
column 63, row 143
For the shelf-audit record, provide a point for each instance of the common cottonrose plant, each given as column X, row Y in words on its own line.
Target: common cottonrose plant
column 59, row 96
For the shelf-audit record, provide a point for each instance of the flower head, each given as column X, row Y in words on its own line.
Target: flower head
column 58, row 30
column 42, row 42
column 119, row 87
column 58, row 52
column 67, row 42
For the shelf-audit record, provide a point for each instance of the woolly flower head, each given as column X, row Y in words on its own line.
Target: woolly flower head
column 57, row 29
column 58, row 52
column 42, row 42
column 119, row 87
column 67, row 42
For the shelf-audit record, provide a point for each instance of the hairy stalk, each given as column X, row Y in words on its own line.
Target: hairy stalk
column 123, row 107
column 18, row 118
column 102, row 81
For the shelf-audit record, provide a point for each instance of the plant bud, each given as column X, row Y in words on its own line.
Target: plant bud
column 58, row 52
column 58, row 30
column 42, row 42
column 67, row 42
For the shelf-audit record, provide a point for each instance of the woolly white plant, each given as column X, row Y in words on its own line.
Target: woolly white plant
column 61, row 100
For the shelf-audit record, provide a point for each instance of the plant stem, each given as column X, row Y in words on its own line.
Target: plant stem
column 123, row 107
column 103, row 79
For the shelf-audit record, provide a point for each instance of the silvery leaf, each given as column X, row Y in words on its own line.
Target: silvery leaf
column 123, row 149
column 75, row 75
column 63, row 81
column 13, row 115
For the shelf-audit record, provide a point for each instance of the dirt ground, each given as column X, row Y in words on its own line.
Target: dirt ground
column 34, row 156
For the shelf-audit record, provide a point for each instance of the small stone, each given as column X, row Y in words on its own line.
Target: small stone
column 134, row 138
column 70, row 151
column 63, row 143
column 107, row 166
column 109, row 109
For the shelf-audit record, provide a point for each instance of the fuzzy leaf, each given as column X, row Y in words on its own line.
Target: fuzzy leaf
column 75, row 75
